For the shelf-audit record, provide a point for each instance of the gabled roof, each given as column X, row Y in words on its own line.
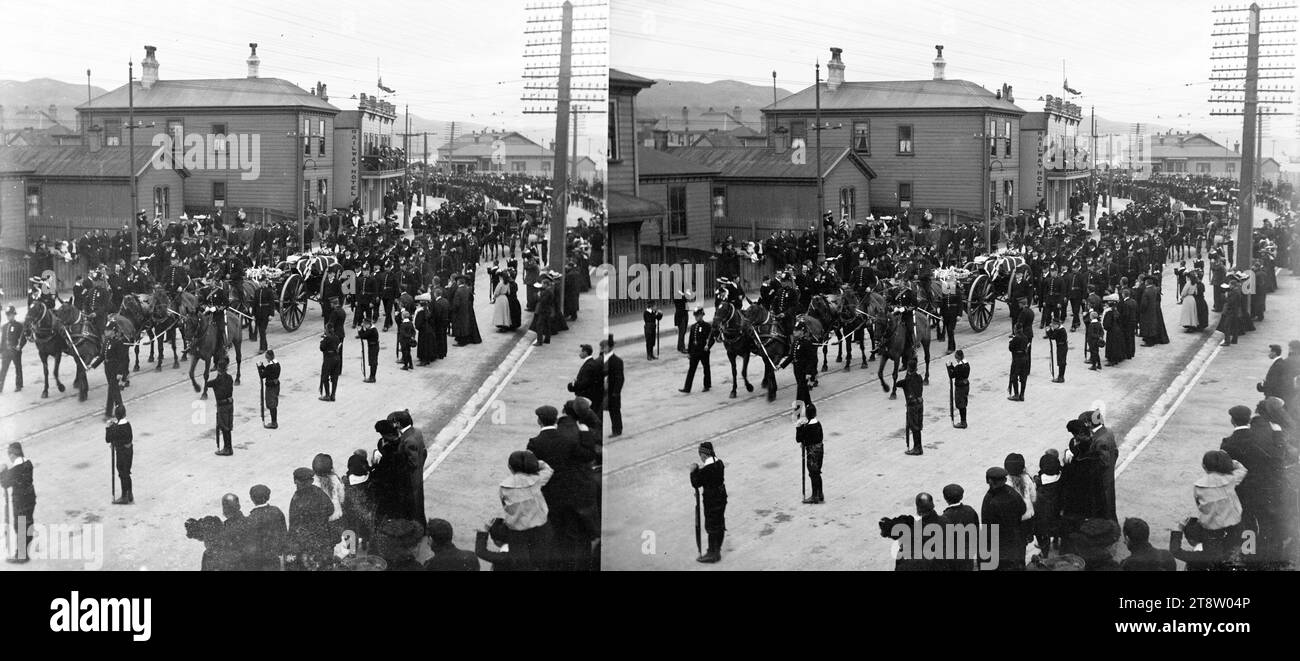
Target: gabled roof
column 1194, row 145
column 624, row 208
column 35, row 137
column 74, row 161
column 629, row 81
column 899, row 95
column 211, row 93
column 517, row 145
column 763, row 162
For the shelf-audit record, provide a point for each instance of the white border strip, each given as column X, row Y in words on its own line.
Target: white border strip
column 1186, row 389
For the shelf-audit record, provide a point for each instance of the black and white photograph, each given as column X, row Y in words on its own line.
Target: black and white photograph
column 937, row 286
column 208, row 210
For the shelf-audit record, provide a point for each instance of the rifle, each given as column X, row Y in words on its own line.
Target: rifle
column 261, row 394
column 951, row 386
column 656, row 338
column 803, row 470
column 698, row 547
column 363, row 359
column 112, row 470
column 1051, row 357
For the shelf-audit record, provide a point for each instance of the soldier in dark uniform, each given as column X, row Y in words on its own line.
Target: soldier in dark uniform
column 16, row 481
column 389, row 289
column 13, row 337
column 1057, row 335
column 950, row 309
column 406, row 338
column 699, row 343
column 370, row 336
column 269, row 372
column 118, row 434
column 1018, row 294
column 651, row 317
column 803, row 354
column 680, row 318
column 731, row 293
column 808, row 433
column 263, row 308
column 116, row 362
column 914, row 393
column 1076, row 288
column 1019, row 349
column 215, row 307
column 709, row 475
column 223, row 388
column 331, row 349
column 1053, row 296
column 959, row 372
column 331, row 287
column 335, row 317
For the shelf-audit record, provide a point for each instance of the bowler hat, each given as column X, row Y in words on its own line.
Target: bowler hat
column 995, row 473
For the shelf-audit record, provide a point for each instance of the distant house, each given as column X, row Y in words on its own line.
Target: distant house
column 738, row 137
column 496, row 151
column 586, row 169
column 56, row 135
column 63, row 191
column 1192, row 153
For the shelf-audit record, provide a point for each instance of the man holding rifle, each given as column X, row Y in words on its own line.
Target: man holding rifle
column 269, row 374
column 958, row 388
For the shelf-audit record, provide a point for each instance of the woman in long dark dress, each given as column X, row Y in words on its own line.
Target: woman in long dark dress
column 1202, row 308
column 516, row 313
column 1114, row 333
column 464, row 325
column 424, row 348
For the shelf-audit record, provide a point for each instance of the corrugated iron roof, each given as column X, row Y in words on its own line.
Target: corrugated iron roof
column 652, row 162
column 212, row 93
column 74, row 161
column 627, row 79
column 628, row 208
column 899, row 95
column 760, row 162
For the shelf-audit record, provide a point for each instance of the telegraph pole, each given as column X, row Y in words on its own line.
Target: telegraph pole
column 406, row 171
column 573, row 164
column 1252, row 115
column 130, row 159
column 1092, row 175
column 821, row 185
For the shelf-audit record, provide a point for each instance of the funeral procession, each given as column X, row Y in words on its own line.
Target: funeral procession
column 926, row 291
column 296, row 322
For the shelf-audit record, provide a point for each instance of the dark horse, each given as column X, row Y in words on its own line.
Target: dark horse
column 200, row 338
column 44, row 329
column 754, row 331
column 840, row 315
column 152, row 314
column 894, row 345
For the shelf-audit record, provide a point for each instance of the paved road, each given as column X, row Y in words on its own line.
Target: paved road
column 649, row 502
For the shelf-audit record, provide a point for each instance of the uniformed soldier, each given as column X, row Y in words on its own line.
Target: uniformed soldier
column 389, row 289
column 1057, row 335
column 269, row 373
column 959, row 372
column 370, row 336
column 808, row 433
column 368, row 290
column 1076, row 288
column 118, row 435
column 335, row 317
column 731, row 292
column 263, row 308
column 914, row 393
column 1053, row 296
column 215, row 308
column 651, row 317
column 680, row 318
column 709, row 475
column 1018, row 346
column 223, row 388
column 13, row 337
column 116, row 362
column 699, row 343
column 331, row 349
column 406, row 338
column 803, row 354
column 949, row 308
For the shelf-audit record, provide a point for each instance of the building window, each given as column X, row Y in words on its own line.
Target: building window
column 322, row 193
column 218, row 194
column 993, row 137
column 162, row 201
column 518, row 166
column 33, row 201
column 905, row 142
column 677, row 210
column 905, row 194
column 612, row 150
column 112, row 133
column 219, row 137
column 719, row 203
column 307, row 205
column 848, row 203
column 1202, row 168
column 862, row 137
column 546, row 166
column 306, row 137
column 321, row 132
column 798, row 130
column 1007, row 135
column 1232, row 168
column 176, row 129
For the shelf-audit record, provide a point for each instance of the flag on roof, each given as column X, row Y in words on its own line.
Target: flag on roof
column 390, row 91
column 1069, row 89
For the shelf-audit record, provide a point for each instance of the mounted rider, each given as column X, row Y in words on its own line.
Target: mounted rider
column 214, row 306
column 730, row 292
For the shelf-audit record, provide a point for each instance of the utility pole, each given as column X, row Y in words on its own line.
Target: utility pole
column 451, row 149
column 1092, row 175
column 573, row 165
column 130, row 159
column 406, row 171
column 424, row 171
column 1252, row 116
column 821, row 187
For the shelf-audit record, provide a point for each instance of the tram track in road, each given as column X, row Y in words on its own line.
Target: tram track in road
column 96, row 413
column 739, row 402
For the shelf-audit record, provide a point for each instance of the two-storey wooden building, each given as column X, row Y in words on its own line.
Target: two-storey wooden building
column 253, row 143
column 938, row 144
column 628, row 211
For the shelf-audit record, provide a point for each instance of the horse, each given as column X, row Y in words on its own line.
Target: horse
column 43, row 327
column 161, row 322
column 877, row 316
column 894, row 346
column 200, row 338
column 81, row 343
column 738, row 337
column 841, row 316
column 771, row 340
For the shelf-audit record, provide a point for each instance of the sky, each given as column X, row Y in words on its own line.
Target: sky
column 461, row 60
column 1134, row 60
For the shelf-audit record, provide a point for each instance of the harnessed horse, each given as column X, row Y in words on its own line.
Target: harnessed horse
column 81, row 343
column 45, row 330
column 840, row 314
column 200, row 337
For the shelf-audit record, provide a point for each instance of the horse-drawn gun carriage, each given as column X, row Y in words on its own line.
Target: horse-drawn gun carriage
column 297, row 281
column 980, row 285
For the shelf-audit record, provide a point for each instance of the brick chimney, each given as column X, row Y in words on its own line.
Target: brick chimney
column 686, row 127
column 735, row 112
column 148, row 68
column 939, row 64
column 834, row 70
column 253, row 61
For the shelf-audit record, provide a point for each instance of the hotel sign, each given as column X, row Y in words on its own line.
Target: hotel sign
column 354, row 164
column 1039, row 173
